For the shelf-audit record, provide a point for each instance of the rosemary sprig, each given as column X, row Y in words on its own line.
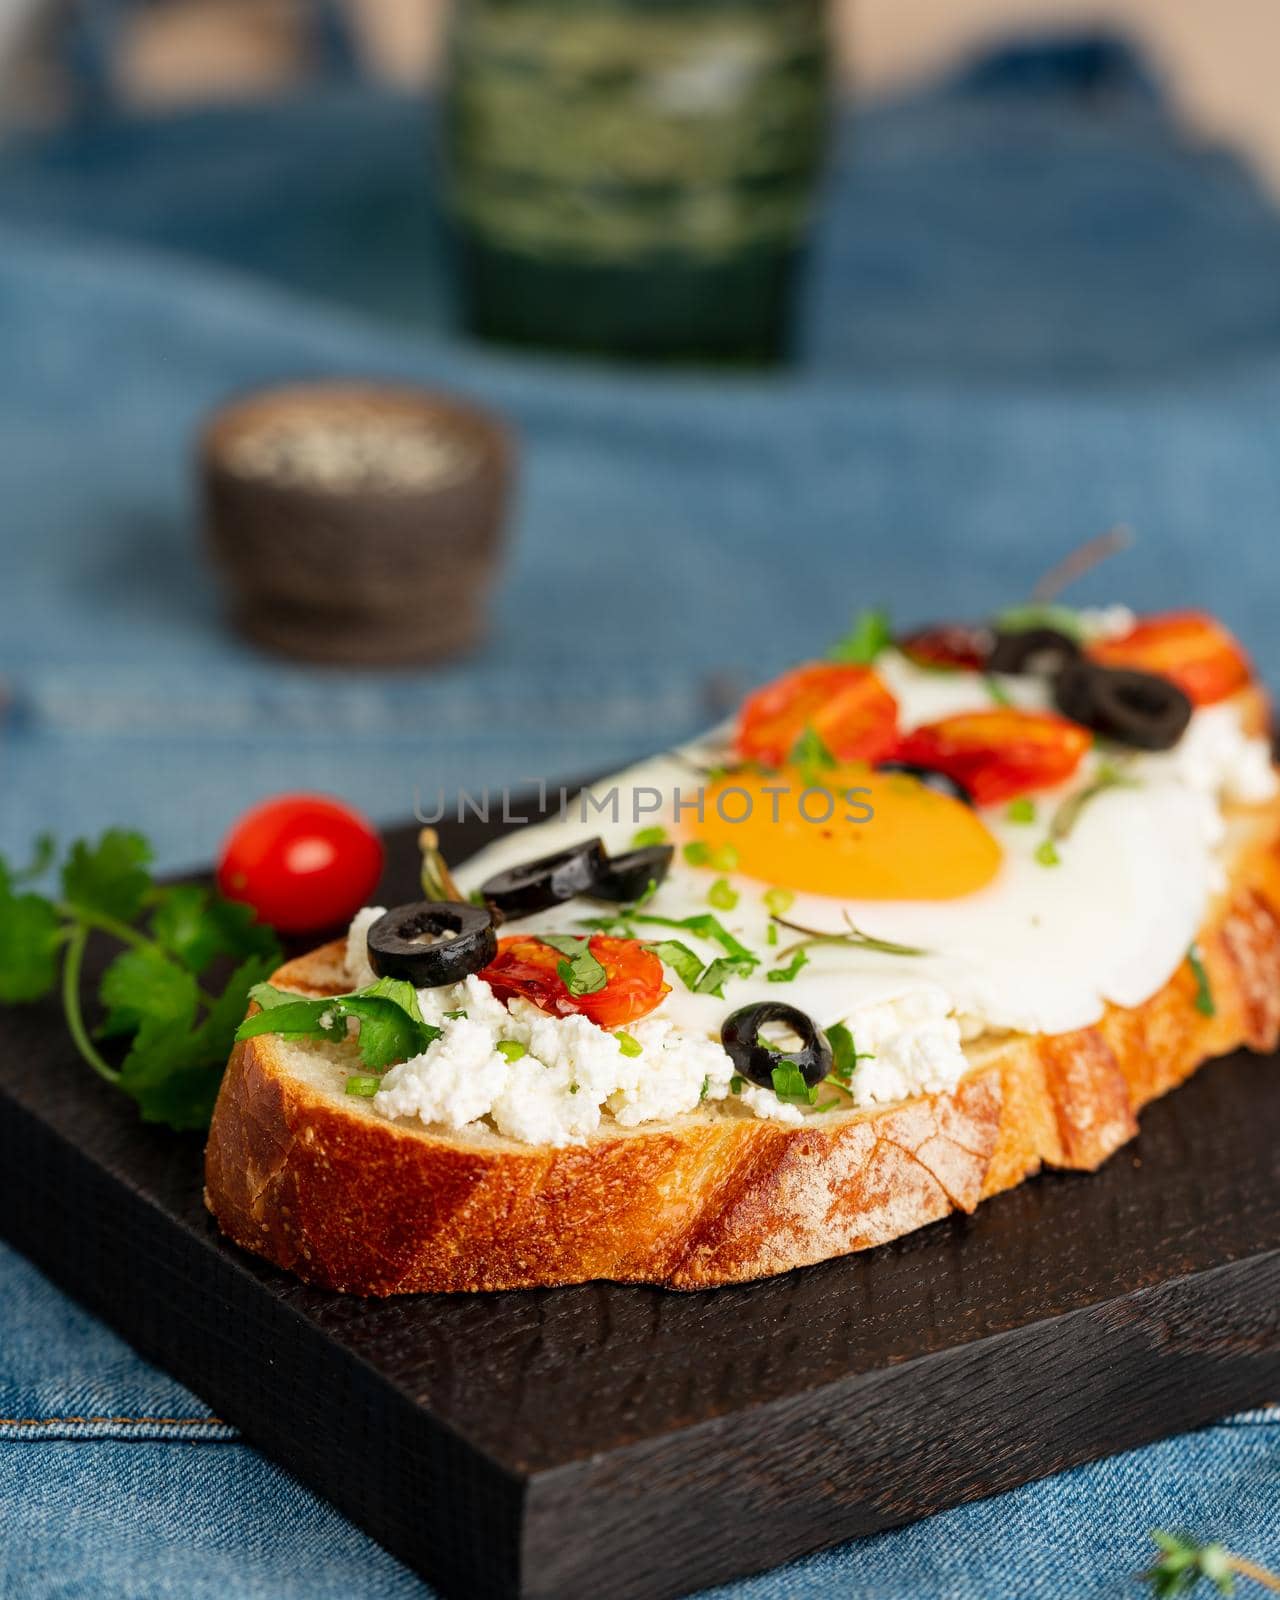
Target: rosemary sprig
column 1182, row 1563
column 855, row 938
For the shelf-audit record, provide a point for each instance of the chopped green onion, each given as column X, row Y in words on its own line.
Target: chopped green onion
column 628, row 1045
column 364, row 1084
column 772, row 936
column 1021, row 810
column 1047, row 854
column 737, row 1084
column 648, row 836
column 453, row 1016
column 722, row 895
column 1204, row 992
column 724, row 858
column 697, row 853
column 777, row 902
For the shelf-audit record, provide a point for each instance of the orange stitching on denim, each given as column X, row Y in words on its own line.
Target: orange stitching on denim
column 150, row 1422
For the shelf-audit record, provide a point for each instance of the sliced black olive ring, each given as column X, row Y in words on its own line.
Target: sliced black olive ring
column 547, row 880
column 432, row 942
column 1133, row 708
column 740, row 1036
column 931, row 778
column 1039, row 651
column 628, row 876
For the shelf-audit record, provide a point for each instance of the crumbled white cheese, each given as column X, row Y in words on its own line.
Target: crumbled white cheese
column 1217, row 757
column 455, row 1081
column 359, row 971
column 1105, row 622
column 912, row 1045
column 766, row 1104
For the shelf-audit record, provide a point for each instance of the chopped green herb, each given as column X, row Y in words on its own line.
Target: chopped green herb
column 789, row 1085
column 648, row 836
column 705, row 1090
column 855, row 938
column 871, row 633
column 772, row 936
column 712, row 979
column 724, row 858
column 811, row 755
column 686, row 965
column 1204, row 991
column 697, row 853
column 997, row 690
column 845, row 1054
column 737, row 1084
column 704, row 926
column 722, row 895
column 1110, row 775
column 777, row 902
column 363, row 1083
column 628, row 1045
column 1047, row 854
column 1020, row 619
column 511, row 1049
column 391, row 1024
column 1022, row 810
column 791, row 971
column 580, row 971
column 1182, row 1563
column 454, row 1016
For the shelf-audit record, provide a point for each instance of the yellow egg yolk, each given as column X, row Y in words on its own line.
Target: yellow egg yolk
column 849, row 832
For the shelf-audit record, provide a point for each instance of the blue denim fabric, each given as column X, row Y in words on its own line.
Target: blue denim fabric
column 1035, row 310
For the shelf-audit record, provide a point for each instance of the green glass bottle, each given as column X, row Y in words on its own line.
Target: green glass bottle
column 635, row 177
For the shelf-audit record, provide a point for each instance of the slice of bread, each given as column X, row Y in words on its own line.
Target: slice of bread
column 318, row 1182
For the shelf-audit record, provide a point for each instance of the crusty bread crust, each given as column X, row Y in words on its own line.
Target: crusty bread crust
column 324, row 1186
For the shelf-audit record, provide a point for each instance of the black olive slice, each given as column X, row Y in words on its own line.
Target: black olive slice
column 1133, row 708
column 1039, row 651
column 432, row 942
column 546, row 881
column 628, row 876
column 931, row 778
column 740, row 1035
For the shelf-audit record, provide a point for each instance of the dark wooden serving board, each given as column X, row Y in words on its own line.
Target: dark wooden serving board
column 633, row 1442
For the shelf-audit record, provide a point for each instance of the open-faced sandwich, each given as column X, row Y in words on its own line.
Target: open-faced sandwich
column 930, row 915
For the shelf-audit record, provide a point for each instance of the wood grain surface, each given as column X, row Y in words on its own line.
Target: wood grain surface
column 635, row 1442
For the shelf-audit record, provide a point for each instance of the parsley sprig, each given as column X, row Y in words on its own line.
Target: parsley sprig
column 387, row 1014
column 156, row 992
column 736, row 962
column 1182, row 1563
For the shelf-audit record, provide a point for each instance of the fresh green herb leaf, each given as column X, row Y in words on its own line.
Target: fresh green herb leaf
column 30, row 934
column 811, row 755
column 580, row 972
column 456, row 1016
column 196, row 927
column 791, row 971
column 109, row 878
column 1205, row 1004
column 363, row 1084
column 697, row 853
column 705, row 1090
column 722, row 895
column 391, row 1024
column 789, row 1085
column 628, row 1045
column 997, row 690
column 1022, row 810
column 737, row 1084
column 1047, row 854
column 704, row 926
column 683, row 962
column 1182, row 1563
column 871, row 633
column 777, row 902
column 845, row 1054
column 46, row 848
column 712, row 979
column 1020, row 619
column 144, row 981
column 645, row 837
column 511, row 1049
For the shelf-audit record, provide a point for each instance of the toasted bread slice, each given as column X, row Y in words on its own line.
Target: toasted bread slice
column 320, row 1183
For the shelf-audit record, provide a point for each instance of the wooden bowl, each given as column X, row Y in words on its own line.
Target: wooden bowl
column 357, row 523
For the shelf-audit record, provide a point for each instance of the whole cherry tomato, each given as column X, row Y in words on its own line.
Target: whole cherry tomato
column 530, row 969
column 303, row 862
column 1193, row 649
column 848, row 707
column 999, row 753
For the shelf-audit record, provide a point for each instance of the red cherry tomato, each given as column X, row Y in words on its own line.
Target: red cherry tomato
column 304, row 863
column 848, row 707
column 1194, row 650
column 955, row 645
column 527, row 968
column 999, row 753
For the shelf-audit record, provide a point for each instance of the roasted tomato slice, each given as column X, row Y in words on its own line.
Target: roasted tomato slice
column 848, row 707
column 999, row 753
column 527, row 967
column 1191, row 648
column 960, row 646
